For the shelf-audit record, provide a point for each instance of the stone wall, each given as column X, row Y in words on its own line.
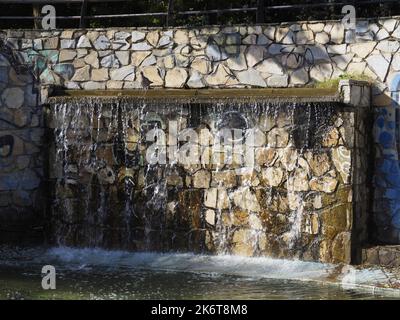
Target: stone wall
column 283, row 55
column 21, row 161
column 303, row 197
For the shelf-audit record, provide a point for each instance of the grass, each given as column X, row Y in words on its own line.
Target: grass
column 334, row 83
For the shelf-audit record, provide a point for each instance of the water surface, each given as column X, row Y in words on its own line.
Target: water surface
column 101, row 274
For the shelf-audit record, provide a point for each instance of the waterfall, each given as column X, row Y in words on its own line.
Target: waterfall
column 108, row 193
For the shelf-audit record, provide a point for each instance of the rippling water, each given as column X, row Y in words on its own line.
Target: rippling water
column 100, row 274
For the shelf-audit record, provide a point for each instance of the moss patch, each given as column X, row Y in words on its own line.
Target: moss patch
column 334, row 83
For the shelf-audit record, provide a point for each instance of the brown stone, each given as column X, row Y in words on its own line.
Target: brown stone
column 216, row 198
column 335, row 220
column 210, row 217
column 152, row 73
column 341, row 248
column 201, row 179
column 275, row 201
column 331, row 138
column 152, row 38
column 324, row 252
column 82, row 74
column 176, row 78
column 272, row 176
column 319, row 163
column 174, row 180
column 298, row 180
column 248, row 177
column 288, row 157
column 189, row 207
column 225, row 179
column 240, row 217
column 278, row 138
column 139, row 56
column 242, row 244
column 326, row 183
column 50, row 43
column 244, row 198
column 341, row 158
column 100, row 74
column 220, row 76
column 266, row 156
column 312, row 224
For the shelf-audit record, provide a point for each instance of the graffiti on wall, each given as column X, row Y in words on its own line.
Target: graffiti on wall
column 6, row 146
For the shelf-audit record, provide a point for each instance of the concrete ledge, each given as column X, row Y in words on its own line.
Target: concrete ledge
column 388, row 256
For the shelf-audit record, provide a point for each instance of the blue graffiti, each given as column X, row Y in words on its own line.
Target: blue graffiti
column 387, row 175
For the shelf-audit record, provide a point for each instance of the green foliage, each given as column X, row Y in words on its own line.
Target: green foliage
column 334, row 83
column 300, row 12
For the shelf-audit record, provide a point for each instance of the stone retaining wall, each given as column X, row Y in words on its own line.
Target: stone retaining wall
column 21, row 160
column 304, row 196
column 284, row 55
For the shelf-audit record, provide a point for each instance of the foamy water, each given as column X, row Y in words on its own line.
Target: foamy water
column 66, row 258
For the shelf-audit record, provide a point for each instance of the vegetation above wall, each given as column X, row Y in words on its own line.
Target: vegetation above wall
column 334, row 83
column 277, row 11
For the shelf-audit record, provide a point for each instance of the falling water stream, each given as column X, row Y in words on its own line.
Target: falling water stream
column 108, row 195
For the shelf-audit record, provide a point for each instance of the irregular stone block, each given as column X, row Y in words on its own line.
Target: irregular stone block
column 82, row 74
column 152, row 73
column 341, row 158
column 68, row 44
column 84, row 42
column 141, row 46
column 270, row 66
column 176, row 78
column 251, row 77
column 67, row 55
column 110, row 61
column 379, row 65
column 138, row 36
column 272, row 176
column 278, row 81
column 102, row 43
column 13, row 97
column 254, row 55
column 124, row 73
column 201, row 179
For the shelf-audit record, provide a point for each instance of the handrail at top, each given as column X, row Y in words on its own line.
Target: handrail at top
column 169, row 13
column 53, row 1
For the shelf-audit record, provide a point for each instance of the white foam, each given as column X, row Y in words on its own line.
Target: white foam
column 256, row 267
column 260, row 267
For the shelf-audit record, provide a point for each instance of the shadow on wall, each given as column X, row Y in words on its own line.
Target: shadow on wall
column 21, row 161
column 387, row 172
column 275, row 59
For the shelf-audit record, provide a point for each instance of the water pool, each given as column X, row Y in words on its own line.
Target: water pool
column 101, row 274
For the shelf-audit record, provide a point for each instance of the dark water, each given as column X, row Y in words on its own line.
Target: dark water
column 98, row 283
column 86, row 275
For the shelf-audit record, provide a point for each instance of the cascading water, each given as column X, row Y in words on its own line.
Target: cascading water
column 107, row 194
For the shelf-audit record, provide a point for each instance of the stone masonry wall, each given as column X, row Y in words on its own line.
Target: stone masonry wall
column 299, row 199
column 282, row 55
column 21, row 161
